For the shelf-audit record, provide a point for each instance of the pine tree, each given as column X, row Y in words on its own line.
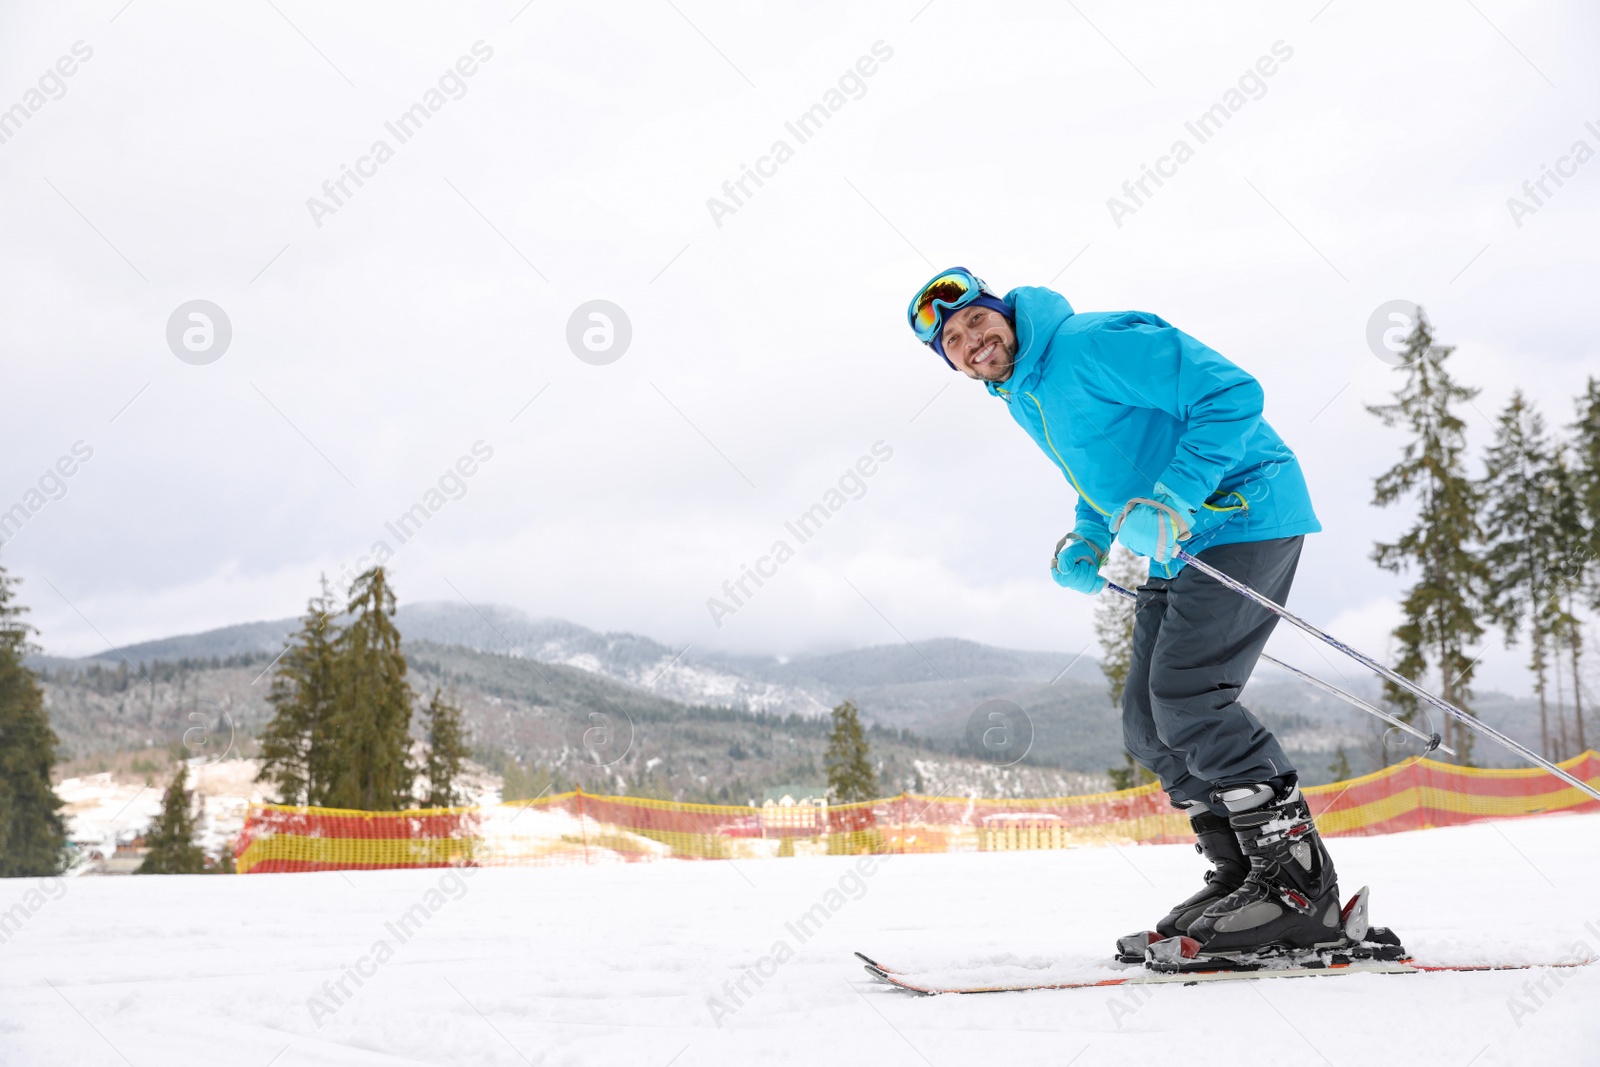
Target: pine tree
column 298, row 748
column 171, row 839
column 1113, row 627
column 1339, row 769
column 1583, row 563
column 850, row 777
column 447, row 748
column 1440, row 620
column 1569, row 627
column 33, row 836
column 1113, row 619
column 1522, row 541
column 1558, row 747
column 1586, row 484
column 1570, row 573
column 372, row 716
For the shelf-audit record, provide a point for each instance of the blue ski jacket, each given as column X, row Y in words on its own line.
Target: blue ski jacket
column 1121, row 400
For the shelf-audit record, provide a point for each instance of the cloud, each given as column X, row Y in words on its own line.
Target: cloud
column 367, row 354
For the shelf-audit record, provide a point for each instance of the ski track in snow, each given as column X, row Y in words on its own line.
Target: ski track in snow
column 615, row 964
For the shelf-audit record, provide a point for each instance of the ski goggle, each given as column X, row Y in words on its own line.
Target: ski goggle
column 950, row 290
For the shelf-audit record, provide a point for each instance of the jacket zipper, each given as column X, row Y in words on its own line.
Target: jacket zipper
column 1243, row 504
column 1044, row 426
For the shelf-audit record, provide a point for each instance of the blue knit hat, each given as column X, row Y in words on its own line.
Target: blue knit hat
column 982, row 300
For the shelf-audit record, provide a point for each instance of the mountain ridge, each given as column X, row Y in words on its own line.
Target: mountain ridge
column 809, row 684
column 929, row 687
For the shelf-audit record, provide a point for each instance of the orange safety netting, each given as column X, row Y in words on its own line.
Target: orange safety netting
column 581, row 828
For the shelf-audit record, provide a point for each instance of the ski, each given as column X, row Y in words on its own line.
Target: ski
column 1141, row 976
column 870, row 962
column 1150, row 959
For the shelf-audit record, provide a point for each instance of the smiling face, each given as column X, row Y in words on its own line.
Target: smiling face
column 981, row 343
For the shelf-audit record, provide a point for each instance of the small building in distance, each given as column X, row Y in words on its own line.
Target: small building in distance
column 794, row 810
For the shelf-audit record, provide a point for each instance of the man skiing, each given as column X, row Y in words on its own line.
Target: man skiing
column 1163, row 441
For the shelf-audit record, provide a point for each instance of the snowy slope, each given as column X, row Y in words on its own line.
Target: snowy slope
column 615, row 964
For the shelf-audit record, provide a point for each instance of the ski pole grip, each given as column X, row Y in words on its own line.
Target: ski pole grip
column 1179, row 523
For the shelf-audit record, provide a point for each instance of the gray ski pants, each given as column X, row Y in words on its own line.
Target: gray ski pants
column 1195, row 643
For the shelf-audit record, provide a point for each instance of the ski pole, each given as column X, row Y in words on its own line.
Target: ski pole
column 1439, row 703
column 1432, row 740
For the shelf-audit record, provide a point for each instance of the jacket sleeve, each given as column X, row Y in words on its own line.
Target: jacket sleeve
column 1091, row 526
column 1138, row 359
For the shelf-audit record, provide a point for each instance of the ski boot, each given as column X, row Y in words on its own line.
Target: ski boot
column 1362, row 946
column 1289, row 901
column 1215, row 840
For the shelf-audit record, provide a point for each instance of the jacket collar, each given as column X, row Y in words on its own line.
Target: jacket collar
column 1036, row 313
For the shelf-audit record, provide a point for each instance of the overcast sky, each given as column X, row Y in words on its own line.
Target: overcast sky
column 383, row 331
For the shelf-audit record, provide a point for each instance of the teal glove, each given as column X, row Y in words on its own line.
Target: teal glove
column 1153, row 526
column 1077, row 564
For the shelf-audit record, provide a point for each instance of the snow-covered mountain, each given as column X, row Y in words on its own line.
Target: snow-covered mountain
column 500, row 630
column 809, row 684
column 930, row 687
column 669, row 672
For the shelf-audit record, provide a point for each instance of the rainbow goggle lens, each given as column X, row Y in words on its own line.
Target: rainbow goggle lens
column 952, row 289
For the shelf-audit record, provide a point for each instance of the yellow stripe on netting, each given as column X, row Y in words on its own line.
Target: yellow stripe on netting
column 1361, row 816
column 1078, row 800
column 358, row 852
column 537, row 802
column 1480, row 804
column 1432, row 799
column 654, row 804
column 606, row 827
column 414, row 813
column 1350, row 783
column 1508, row 772
column 356, row 813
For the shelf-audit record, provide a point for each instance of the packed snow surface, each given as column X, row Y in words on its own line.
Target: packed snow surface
column 642, row 964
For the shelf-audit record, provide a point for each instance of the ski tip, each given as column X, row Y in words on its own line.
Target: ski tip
column 868, row 960
column 879, row 974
